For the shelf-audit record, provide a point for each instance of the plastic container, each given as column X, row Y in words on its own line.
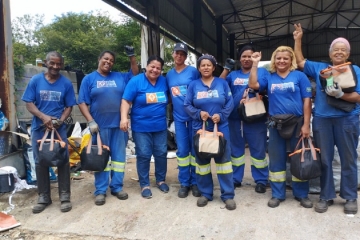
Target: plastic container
column 7, row 181
column 5, row 143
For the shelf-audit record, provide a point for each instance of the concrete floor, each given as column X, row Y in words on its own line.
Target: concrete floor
column 166, row 216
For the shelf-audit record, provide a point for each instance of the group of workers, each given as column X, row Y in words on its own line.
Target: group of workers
column 107, row 99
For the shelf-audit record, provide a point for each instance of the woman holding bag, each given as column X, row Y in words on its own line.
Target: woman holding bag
column 209, row 99
column 102, row 90
column 289, row 92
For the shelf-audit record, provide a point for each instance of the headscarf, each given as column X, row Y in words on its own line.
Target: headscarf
column 208, row 57
column 342, row 40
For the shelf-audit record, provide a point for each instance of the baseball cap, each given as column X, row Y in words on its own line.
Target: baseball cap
column 181, row 47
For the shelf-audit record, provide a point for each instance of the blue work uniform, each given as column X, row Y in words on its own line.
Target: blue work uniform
column 255, row 134
column 148, row 124
column 332, row 126
column 216, row 99
column 178, row 83
column 103, row 94
column 286, row 96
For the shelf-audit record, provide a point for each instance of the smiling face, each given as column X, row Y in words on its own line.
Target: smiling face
column 54, row 65
column 339, row 53
column 106, row 62
column 206, row 68
column 179, row 57
column 245, row 60
column 283, row 61
column 153, row 70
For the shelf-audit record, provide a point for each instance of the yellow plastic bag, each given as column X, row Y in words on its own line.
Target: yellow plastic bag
column 76, row 145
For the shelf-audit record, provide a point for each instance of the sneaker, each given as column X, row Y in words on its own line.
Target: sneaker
column 100, row 199
column 274, row 202
column 163, row 187
column 305, row 202
column 195, row 191
column 237, row 185
column 351, row 206
column 183, row 192
column 230, row 204
column 122, row 195
column 65, row 206
column 322, row 205
column 260, row 188
column 202, row 201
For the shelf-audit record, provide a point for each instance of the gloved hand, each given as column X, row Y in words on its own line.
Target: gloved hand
column 56, row 123
column 334, row 91
column 229, row 64
column 93, row 126
column 129, row 51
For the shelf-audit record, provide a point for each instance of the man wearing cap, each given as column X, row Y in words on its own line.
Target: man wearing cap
column 178, row 79
column 334, row 126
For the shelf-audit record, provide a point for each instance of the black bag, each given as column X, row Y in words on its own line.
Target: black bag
column 209, row 144
column 52, row 152
column 305, row 162
column 285, row 124
column 95, row 157
column 340, row 104
column 252, row 109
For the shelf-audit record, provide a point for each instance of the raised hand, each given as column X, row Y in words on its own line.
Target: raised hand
column 229, row 64
column 129, row 51
column 298, row 33
column 256, row 57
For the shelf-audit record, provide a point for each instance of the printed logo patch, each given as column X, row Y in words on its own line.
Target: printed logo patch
column 179, row 90
column 53, row 96
column 158, row 97
column 207, row 94
column 283, row 87
column 241, row 81
column 308, row 89
column 101, row 84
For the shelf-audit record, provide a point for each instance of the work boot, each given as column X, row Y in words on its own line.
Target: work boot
column 43, row 202
column 260, row 188
column 322, row 205
column 230, row 204
column 183, row 192
column 122, row 195
column 43, row 186
column 274, row 202
column 202, row 201
column 64, row 187
column 305, row 202
column 195, row 191
column 100, row 199
column 351, row 206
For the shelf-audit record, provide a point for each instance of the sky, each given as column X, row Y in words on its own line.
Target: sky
column 50, row 9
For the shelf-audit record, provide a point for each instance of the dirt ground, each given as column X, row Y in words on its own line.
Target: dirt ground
column 166, row 216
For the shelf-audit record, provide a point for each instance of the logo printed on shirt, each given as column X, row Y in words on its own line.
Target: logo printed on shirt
column 157, row 97
column 207, row 94
column 101, row 84
column 53, row 96
column 241, row 81
column 283, row 87
column 179, row 90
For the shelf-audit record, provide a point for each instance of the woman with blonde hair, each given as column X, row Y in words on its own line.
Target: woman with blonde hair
column 289, row 92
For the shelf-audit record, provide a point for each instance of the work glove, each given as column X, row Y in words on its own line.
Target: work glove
column 93, row 126
column 229, row 64
column 129, row 51
column 56, row 123
column 334, row 91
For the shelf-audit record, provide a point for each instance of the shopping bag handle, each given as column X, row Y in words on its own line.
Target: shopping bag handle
column 99, row 144
column 302, row 149
column 51, row 139
column 214, row 132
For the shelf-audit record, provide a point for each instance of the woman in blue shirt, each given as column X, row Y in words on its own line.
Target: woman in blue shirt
column 289, row 92
column 147, row 94
column 209, row 99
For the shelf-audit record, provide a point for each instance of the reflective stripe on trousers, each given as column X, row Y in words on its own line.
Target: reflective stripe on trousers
column 224, row 168
column 263, row 163
column 238, row 161
column 277, row 176
column 203, row 169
